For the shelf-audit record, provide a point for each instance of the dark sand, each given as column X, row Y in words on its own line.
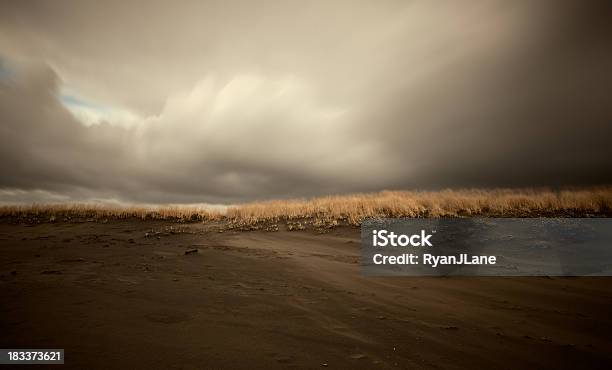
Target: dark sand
column 114, row 298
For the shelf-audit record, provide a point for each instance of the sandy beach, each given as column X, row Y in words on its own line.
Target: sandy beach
column 160, row 294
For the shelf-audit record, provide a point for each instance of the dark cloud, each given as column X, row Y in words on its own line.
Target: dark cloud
column 209, row 102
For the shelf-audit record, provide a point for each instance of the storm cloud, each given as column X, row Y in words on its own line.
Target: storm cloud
column 224, row 102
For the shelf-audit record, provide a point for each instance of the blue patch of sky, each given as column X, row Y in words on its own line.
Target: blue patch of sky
column 5, row 71
column 76, row 102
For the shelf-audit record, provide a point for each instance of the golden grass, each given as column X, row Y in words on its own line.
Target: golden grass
column 446, row 203
column 353, row 208
column 59, row 212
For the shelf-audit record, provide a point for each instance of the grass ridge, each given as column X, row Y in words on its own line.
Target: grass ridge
column 351, row 208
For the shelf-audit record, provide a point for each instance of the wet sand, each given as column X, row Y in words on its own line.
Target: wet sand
column 124, row 294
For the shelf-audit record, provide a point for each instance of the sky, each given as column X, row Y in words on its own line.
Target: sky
column 224, row 102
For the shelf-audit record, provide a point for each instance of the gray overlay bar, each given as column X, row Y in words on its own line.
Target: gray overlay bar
column 521, row 247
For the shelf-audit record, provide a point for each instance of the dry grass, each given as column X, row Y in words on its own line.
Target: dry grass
column 447, row 203
column 351, row 209
column 67, row 212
